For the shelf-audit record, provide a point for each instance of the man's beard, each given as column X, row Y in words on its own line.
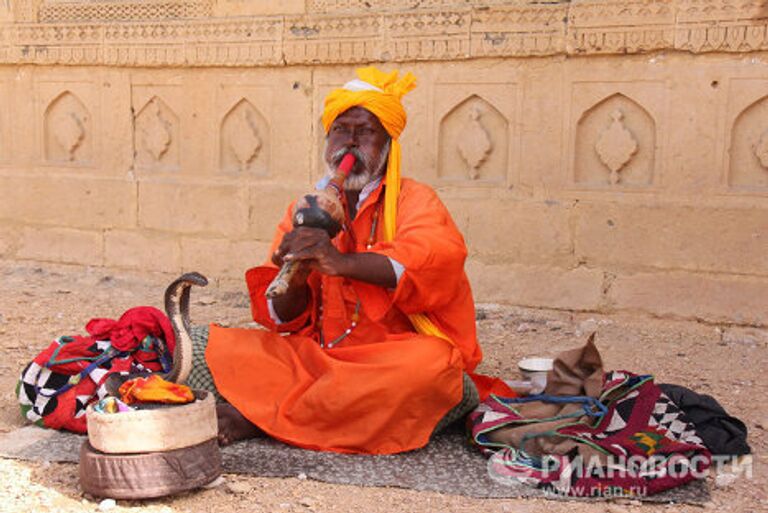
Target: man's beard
column 371, row 170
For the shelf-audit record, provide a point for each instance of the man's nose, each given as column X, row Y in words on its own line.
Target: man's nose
column 352, row 138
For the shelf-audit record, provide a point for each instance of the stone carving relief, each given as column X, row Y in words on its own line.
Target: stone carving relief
column 156, row 139
column 721, row 25
column 761, row 150
column 427, row 35
column 749, row 148
column 323, row 6
column 534, row 30
column 620, row 27
column 328, row 39
column 473, row 143
column 136, row 32
column 69, row 11
column 615, row 144
column 244, row 140
column 67, row 130
column 156, row 134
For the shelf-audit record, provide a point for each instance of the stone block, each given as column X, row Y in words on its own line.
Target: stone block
column 142, row 250
column 76, row 202
column 64, row 245
column 542, row 169
column 222, row 258
column 730, row 299
column 520, row 232
column 673, row 237
column 461, row 211
column 9, row 240
column 268, row 205
column 550, row 287
column 193, row 208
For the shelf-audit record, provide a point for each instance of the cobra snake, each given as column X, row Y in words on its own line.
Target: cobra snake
column 177, row 309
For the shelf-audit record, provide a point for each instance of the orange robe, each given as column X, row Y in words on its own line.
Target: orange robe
column 383, row 388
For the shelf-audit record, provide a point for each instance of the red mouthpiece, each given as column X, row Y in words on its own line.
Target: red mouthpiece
column 347, row 163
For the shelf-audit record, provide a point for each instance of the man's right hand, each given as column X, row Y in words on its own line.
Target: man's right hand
column 290, row 305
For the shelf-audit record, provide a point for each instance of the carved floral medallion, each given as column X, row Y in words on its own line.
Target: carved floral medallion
column 616, row 146
column 475, row 144
column 761, row 150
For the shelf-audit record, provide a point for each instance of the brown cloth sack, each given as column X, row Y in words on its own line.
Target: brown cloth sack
column 575, row 372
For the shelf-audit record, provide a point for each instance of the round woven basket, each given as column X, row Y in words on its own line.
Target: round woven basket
column 162, row 429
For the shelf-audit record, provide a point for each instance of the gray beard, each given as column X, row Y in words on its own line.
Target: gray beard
column 356, row 182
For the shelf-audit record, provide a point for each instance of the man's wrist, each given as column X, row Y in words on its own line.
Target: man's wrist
column 368, row 267
column 346, row 265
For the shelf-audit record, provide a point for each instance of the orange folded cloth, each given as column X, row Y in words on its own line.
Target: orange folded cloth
column 154, row 389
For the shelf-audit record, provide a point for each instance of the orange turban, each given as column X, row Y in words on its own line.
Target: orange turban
column 380, row 94
column 377, row 92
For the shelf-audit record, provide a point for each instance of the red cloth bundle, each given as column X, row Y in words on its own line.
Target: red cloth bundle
column 57, row 386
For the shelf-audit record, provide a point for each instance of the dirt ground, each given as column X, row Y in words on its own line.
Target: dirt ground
column 39, row 302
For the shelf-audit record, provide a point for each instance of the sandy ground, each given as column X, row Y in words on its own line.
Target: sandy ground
column 39, row 302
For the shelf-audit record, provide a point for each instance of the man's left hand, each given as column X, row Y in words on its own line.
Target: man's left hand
column 313, row 246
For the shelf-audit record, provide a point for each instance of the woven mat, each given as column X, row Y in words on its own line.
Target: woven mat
column 447, row 465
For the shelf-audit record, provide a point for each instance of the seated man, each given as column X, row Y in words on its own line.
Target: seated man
column 370, row 348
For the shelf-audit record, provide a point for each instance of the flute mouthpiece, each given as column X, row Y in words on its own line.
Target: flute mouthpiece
column 347, row 163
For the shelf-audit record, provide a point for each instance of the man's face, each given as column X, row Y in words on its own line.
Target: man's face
column 361, row 133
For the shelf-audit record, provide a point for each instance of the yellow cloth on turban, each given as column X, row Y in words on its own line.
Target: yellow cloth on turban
column 378, row 92
column 381, row 94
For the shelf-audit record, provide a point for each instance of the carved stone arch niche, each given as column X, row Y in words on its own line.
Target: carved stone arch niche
column 244, row 143
column 748, row 167
column 473, row 143
column 615, row 144
column 156, row 136
column 67, row 131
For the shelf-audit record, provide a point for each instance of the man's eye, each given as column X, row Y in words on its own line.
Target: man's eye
column 365, row 131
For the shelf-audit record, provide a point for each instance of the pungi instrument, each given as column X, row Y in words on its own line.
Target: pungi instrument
column 319, row 209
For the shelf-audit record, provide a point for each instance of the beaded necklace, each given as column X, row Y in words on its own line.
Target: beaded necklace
column 353, row 325
column 356, row 314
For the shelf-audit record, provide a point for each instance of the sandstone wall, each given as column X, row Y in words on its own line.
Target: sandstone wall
column 598, row 155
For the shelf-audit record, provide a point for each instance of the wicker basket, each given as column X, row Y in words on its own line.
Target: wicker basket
column 154, row 430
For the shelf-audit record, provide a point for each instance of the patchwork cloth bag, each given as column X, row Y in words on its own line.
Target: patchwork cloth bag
column 57, row 386
column 630, row 440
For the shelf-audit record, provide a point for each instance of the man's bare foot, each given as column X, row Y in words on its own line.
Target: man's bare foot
column 233, row 426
